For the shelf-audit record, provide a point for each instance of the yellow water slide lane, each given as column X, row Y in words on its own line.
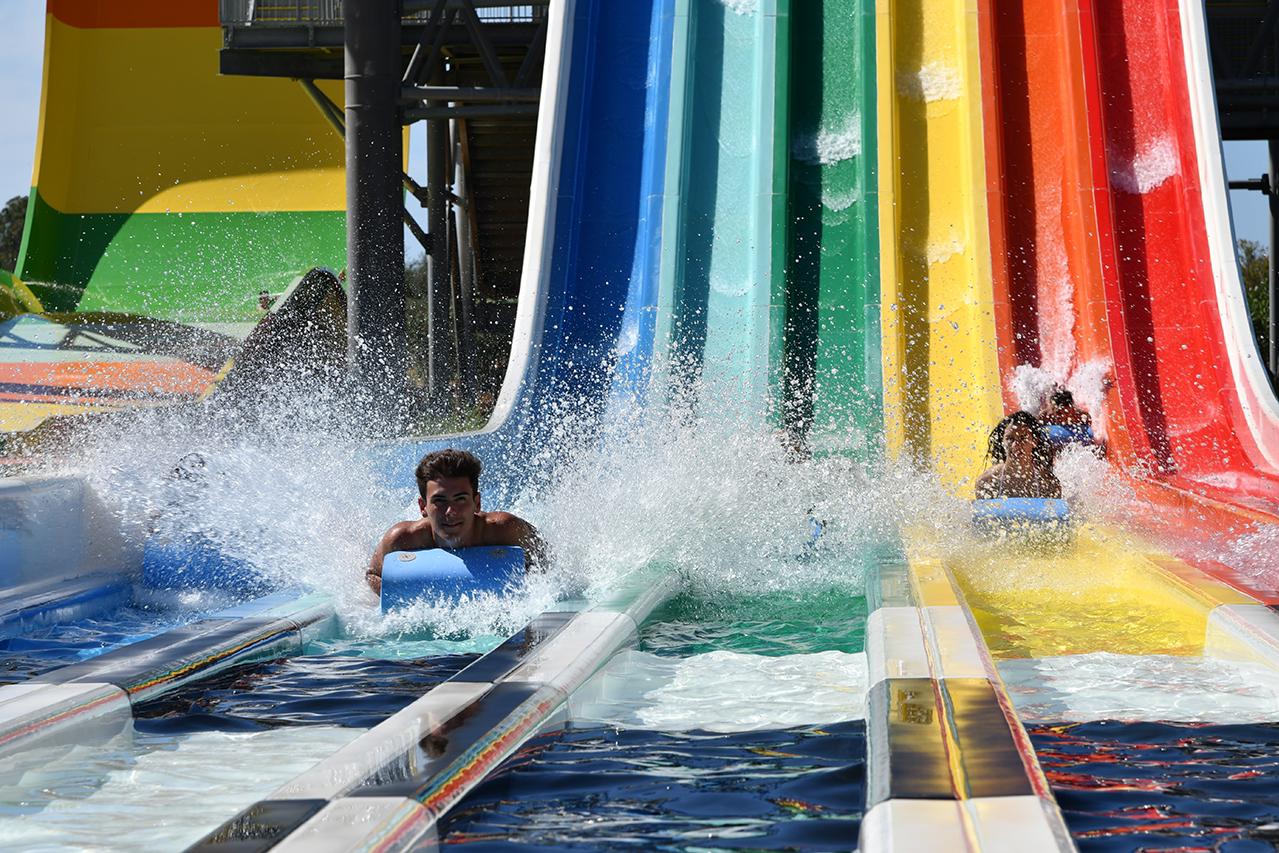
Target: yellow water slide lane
column 137, row 120
column 941, row 375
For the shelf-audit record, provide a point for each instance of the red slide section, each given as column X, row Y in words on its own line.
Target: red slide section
column 1171, row 364
column 1100, row 248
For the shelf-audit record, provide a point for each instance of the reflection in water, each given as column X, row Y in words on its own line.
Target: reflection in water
column 590, row 788
column 1147, row 786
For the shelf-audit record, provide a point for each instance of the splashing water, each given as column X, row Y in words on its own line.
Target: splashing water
column 296, row 490
column 1154, row 163
column 741, row 7
column 933, row 82
column 1031, row 386
column 830, row 145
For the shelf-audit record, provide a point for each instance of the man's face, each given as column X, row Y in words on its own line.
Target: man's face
column 451, row 504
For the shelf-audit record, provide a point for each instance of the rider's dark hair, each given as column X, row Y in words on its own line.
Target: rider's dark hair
column 448, row 463
column 1043, row 449
column 1062, row 397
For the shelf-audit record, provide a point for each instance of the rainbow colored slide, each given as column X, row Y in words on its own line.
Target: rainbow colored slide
column 858, row 224
column 164, row 189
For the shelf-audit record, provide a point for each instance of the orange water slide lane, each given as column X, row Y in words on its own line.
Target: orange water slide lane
column 1172, row 369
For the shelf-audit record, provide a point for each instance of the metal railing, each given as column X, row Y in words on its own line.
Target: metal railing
column 1244, row 39
column 234, row 13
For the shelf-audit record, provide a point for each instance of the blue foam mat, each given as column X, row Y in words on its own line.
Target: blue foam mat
column 411, row 575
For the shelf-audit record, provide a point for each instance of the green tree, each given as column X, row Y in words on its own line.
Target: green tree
column 1254, row 263
column 12, row 219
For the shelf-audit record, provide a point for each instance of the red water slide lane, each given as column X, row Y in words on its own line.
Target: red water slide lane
column 1052, row 226
column 1172, row 369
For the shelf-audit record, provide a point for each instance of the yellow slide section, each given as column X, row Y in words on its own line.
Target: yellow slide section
column 163, row 188
column 941, row 376
column 144, row 124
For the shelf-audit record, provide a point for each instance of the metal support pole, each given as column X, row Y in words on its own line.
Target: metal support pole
column 1273, row 356
column 437, row 259
column 374, row 190
column 465, row 259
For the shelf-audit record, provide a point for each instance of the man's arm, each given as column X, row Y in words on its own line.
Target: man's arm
column 512, row 530
column 400, row 537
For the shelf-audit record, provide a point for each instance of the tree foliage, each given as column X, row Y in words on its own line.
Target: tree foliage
column 12, row 219
column 1254, row 263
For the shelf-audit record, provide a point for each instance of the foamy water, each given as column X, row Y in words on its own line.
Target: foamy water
column 720, row 499
column 1152, row 164
column 723, row 691
column 1104, row 686
column 933, row 82
column 159, row 794
column 830, row 145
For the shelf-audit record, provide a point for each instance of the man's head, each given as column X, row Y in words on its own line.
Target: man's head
column 1061, row 399
column 448, row 484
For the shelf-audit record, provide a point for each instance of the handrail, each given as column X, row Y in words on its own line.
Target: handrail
column 291, row 12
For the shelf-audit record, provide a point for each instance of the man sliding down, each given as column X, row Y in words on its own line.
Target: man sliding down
column 448, row 485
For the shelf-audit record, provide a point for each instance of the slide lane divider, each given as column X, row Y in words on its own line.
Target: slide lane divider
column 92, row 701
column 950, row 766
column 45, row 602
column 388, row 789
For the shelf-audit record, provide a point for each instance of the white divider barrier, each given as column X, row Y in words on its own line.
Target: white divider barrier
column 949, row 765
column 57, row 527
column 387, row 789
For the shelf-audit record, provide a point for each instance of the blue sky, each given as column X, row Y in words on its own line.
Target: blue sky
column 22, row 22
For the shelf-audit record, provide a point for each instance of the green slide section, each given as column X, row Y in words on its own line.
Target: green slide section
column 722, row 298
column 128, row 262
column 832, row 351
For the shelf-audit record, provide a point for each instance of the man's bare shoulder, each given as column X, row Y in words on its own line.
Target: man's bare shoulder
column 504, row 528
column 408, row 535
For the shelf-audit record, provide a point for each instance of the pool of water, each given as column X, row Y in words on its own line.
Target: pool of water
column 1164, row 786
column 778, row 623
column 311, row 690
column 155, row 791
column 735, row 723
column 593, row 788
column 41, row 649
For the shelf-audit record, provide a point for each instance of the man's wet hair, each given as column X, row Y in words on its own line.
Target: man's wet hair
column 1043, row 449
column 1062, row 397
column 448, row 463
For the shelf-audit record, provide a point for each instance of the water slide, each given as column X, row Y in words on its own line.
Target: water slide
column 1124, row 264
column 919, row 181
column 1114, row 256
column 1049, row 213
column 161, row 188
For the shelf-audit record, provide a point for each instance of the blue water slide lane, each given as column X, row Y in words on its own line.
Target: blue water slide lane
column 595, row 279
column 636, row 342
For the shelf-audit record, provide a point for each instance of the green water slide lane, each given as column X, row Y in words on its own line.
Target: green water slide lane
column 721, row 301
column 206, row 266
column 832, row 340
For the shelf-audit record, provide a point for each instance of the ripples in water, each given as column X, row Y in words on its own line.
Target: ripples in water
column 1147, row 786
column 781, row 623
column 594, row 788
column 331, row 690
